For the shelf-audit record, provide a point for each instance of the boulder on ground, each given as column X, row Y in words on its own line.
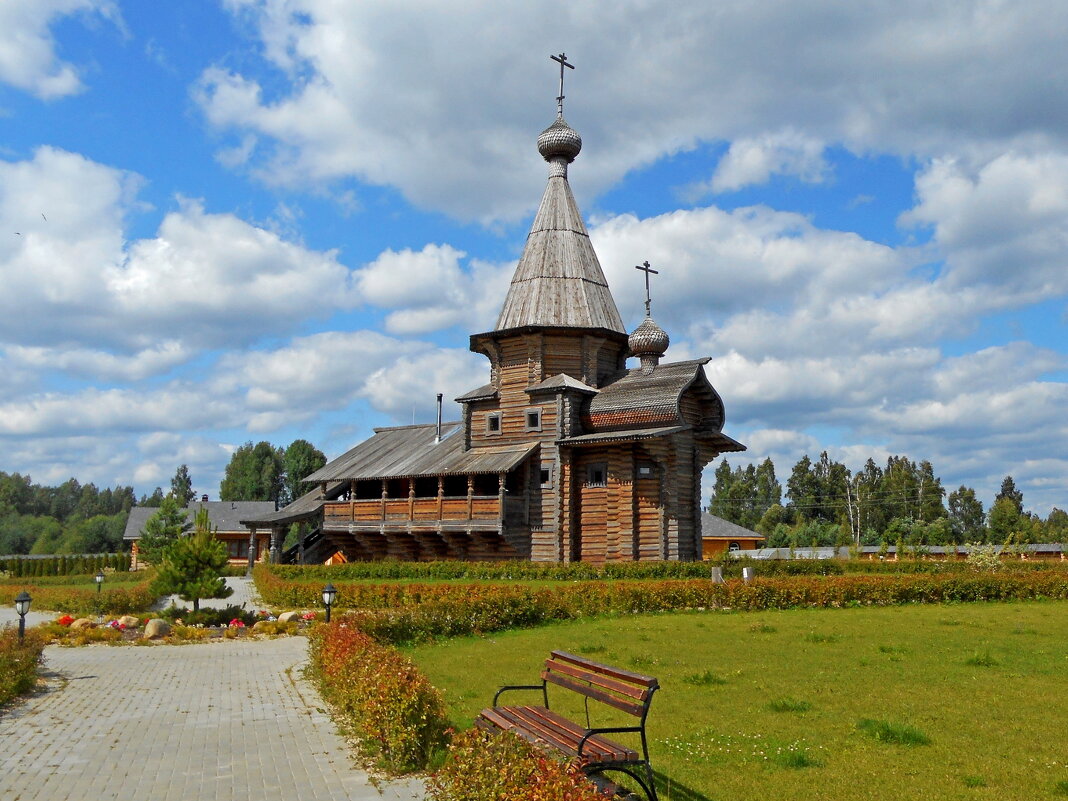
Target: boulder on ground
column 83, row 623
column 129, row 621
column 156, row 627
column 288, row 617
column 263, row 625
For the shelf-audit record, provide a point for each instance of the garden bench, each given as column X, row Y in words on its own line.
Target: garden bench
column 585, row 745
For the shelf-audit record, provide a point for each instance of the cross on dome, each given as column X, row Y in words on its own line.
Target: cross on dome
column 562, row 59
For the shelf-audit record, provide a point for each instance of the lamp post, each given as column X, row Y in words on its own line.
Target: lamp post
column 22, row 606
column 99, row 579
column 329, row 594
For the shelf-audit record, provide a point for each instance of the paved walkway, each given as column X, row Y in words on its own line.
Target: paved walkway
column 244, row 595
column 206, row 722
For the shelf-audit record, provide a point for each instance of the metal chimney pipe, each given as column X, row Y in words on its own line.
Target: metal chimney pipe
column 437, row 437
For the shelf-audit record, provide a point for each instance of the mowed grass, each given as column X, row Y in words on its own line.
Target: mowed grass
column 871, row 703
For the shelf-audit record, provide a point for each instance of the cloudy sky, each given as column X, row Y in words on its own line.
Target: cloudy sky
column 270, row 219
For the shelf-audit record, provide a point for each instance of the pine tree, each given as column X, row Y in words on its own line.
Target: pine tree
column 192, row 566
column 161, row 530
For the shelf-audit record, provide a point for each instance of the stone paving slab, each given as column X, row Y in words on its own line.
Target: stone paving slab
column 205, row 722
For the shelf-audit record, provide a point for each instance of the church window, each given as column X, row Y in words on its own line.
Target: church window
column 493, row 423
column 646, row 470
column 546, row 474
column 533, row 419
column 597, row 475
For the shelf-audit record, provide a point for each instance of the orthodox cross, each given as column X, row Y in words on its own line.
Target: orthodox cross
column 645, row 268
column 562, row 58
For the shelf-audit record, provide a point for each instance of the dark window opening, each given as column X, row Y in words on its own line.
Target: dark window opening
column 426, row 487
column 493, row 423
column 597, row 475
column 368, row 490
column 534, row 420
column 734, row 546
column 455, row 486
column 486, row 484
column 397, row 488
column 646, row 470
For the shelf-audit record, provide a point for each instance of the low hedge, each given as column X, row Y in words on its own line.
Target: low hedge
column 423, row 612
column 396, row 715
column 58, row 598
column 18, row 662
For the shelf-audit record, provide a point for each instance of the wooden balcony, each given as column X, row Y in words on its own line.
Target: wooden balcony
column 450, row 512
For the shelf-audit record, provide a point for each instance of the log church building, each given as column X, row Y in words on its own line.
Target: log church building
column 565, row 454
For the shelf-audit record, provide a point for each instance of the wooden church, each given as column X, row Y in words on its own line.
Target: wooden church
column 564, row 455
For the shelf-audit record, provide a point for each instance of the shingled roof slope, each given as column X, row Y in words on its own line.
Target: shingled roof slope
column 558, row 281
column 714, row 526
column 640, row 398
column 410, row 451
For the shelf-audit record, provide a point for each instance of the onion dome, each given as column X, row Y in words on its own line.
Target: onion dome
column 559, row 140
column 649, row 342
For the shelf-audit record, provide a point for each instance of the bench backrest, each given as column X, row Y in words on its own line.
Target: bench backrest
column 618, row 688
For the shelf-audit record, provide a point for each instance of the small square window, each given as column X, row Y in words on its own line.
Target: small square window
column 546, row 474
column 646, row 470
column 493, row 423
column 533, row 419
column 597, row 475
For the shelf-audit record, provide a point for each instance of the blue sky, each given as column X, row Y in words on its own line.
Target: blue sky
column 270, row 219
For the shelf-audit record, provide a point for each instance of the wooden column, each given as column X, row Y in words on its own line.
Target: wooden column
column 385, row 494
column 251, row 550
column 276, row 545
column 411, row 499
column 441, row 495
column 470, row 496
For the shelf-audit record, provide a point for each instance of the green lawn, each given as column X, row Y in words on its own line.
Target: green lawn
column 769, row 705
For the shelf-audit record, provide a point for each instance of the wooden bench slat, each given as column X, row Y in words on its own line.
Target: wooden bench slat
column 631, row 691
column 608, row 670
column 536, row 724
column 598, row 743
column 604, row 697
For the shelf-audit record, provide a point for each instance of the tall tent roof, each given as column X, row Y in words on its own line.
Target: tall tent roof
column 558, row 282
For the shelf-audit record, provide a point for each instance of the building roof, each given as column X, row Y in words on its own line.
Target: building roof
column 558, row 282
column 307, row 505
column 715, row 527
column 485, row 392
column 411, row 452
column 226, row 516
column 644, row 398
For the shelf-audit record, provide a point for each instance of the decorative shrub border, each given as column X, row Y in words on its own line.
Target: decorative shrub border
column 18, row 662
column 111, row 601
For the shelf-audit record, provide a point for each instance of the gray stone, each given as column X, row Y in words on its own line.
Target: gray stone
column 83, row 623
column 287, row 617
column 156, row 628
column 129, row 621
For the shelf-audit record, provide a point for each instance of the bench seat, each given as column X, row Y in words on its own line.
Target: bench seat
column 540, row 726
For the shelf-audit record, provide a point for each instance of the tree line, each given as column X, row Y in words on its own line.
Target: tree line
column 73, row 518
column 824, row 503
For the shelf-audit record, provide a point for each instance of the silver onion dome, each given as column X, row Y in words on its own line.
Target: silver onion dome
column 559, row 140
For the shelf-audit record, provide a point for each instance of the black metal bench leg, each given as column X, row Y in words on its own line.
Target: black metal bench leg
column 649, row 789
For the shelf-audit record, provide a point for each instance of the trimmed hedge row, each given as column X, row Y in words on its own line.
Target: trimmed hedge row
column 64, row 565
column 110, row 601
column 397, row 716
column 18, row 662
column 402, row 614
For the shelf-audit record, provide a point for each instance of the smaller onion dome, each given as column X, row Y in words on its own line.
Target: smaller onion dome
column 648, row 339
column 559, row 140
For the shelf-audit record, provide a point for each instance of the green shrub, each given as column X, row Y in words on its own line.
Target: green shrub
column 897, row 733
column 19, row 662
column 398, row 717
column 133, row 597
column 501, row 767
column 209, row 616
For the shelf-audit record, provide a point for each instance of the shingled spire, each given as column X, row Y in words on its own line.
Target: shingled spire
column 558, row 282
